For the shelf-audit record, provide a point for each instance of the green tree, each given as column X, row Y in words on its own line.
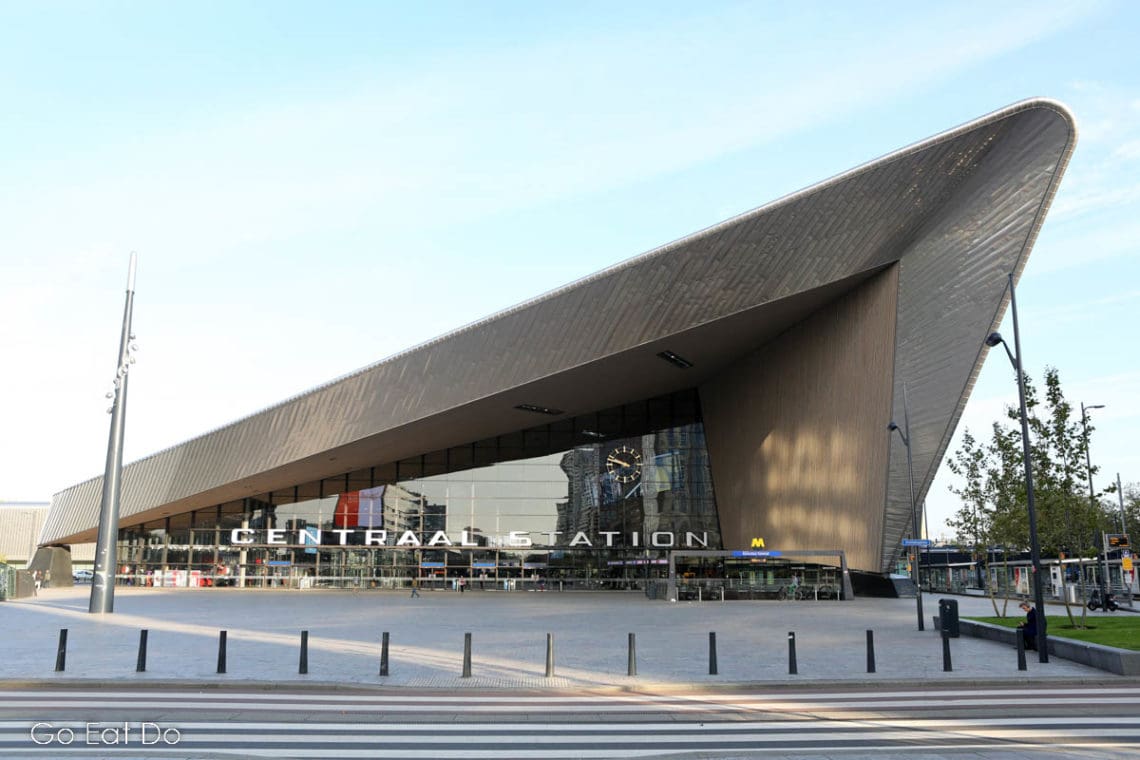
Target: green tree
column 994, row 496
column 973, row 523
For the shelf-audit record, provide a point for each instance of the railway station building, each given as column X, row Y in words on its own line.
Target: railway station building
column 727, row 392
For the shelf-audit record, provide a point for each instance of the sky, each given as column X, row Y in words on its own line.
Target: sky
column 312, row 187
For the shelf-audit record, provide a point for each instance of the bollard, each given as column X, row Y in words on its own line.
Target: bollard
column 549, row 655
column 384, row 654
column 792, row 670
column 946, row 664
column 303, row 665
column 870, row 651
column 631, row 670
column 712, row 653
column 1020, row 650
column 61, row 651
column 140, row 666
column 221, row 651
column 466, row 655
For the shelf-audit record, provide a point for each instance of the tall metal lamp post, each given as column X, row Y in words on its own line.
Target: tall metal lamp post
column 905, row 436
column 1092, row 494
column 1034, row 545
column 103, row 582
column 1124, row 530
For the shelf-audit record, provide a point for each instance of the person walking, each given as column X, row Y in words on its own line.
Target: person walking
column 415, row 587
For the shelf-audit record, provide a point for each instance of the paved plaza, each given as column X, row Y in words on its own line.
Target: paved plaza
column 508, row 630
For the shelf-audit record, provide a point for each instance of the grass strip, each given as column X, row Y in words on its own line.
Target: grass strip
column 1121, row 632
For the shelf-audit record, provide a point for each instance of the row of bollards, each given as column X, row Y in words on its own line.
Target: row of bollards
column 303, row 664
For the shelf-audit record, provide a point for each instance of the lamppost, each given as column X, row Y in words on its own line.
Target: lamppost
column 103, row 581
column 992, row 340
column 1124, row 530
column 1092, row 494
column 905, row 436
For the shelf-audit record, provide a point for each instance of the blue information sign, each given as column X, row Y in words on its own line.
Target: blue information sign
column 924, row 542
column 756, row 553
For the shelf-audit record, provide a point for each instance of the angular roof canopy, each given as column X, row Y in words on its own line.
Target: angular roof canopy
column 956, row 212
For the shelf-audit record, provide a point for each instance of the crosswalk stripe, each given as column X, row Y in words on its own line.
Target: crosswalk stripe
column 468, row 707
column 676, row 723
column 611, row 727
column 539, row 698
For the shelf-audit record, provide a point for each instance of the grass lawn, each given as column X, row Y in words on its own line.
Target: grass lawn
column 1122, row 632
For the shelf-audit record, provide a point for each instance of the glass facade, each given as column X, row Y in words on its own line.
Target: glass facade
column 592, row 502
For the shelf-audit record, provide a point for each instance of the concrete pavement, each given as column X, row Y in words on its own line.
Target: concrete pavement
column 509, row 639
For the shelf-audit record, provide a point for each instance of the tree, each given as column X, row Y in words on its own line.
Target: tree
column 995, row 503
column 973, row 523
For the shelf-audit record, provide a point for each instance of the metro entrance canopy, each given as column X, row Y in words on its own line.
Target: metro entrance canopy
column 745, row 394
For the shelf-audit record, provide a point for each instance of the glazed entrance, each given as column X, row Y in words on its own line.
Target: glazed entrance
column 600, row 507
column 729, row 575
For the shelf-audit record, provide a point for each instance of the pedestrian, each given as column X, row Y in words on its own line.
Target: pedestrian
column 1028, row 629
column 38, row 580
column 462, row 584
column 415, row 587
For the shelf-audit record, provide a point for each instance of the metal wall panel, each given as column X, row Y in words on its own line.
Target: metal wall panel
column 796, row 435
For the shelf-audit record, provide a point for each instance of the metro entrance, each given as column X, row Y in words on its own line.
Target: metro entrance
column 702, row 575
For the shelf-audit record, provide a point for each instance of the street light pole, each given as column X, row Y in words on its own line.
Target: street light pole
column 1034, row 544
column 1092, row 494
column 1124, row 530
column 914, row 575
column 103, row 581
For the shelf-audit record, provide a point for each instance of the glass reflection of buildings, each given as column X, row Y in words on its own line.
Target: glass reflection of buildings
column 521, row 485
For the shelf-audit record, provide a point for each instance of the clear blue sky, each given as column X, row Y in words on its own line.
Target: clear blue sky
column 314, row 186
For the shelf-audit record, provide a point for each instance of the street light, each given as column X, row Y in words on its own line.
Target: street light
column 1092, row 494
column 106, row 560
column 1124, row 531
column 992, row 340
column 905, row 436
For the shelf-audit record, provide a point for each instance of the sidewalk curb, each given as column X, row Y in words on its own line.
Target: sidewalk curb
column 663, row 688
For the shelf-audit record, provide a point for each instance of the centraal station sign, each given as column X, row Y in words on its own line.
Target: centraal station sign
column 515, row 539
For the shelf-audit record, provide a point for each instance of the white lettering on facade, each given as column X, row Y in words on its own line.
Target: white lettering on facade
column 661, row 539
column 439, row 538
column 241, row 536
column 691, row 540
column 408, row 538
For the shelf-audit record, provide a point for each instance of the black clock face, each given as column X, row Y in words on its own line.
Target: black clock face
column 624, row 464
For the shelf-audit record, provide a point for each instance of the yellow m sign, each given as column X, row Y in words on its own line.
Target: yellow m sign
column 757, row 543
